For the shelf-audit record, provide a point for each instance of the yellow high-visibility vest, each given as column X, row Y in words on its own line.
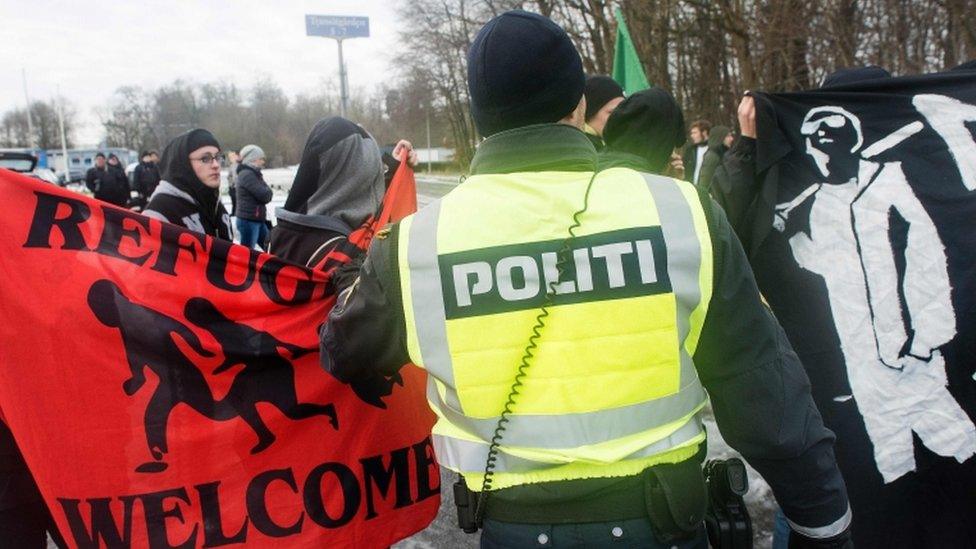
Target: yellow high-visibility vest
column 611, row 388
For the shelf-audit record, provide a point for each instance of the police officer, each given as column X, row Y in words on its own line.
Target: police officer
column 650, row 303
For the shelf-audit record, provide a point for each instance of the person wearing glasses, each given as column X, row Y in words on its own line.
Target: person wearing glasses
column 189, row 192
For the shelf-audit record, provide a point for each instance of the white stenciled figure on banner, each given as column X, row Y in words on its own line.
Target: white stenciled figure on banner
column 890, row 346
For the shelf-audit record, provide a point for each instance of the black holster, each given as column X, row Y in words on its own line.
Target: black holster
column 727, row 520
column 466, row 502
column 675, row 496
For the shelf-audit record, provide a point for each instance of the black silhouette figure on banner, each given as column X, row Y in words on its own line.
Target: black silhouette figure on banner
column 149, row 338
column 266, row 377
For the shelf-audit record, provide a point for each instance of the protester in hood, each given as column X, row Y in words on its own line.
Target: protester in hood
column 718, row 144
column 107, row 183
column 339, row 185
column 252, row 195
column 118, row 169
column 114, row 163
column 643, row 132
column 145, row 178
column 189, row 192
column 603, row 95
column 852, row 75
column 967, row 66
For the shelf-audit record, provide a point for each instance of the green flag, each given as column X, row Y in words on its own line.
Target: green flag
column 627, row 69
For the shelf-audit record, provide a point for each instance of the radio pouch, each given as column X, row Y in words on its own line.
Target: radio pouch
column 676, row 500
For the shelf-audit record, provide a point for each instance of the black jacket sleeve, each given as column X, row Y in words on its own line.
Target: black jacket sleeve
column 364, row 342
column 139, row 177
column 92, row 181
column 734, row 185
column 760, row 392
column 761, row 397
column 255, row 186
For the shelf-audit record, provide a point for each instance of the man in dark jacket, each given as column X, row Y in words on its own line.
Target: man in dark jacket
column 107, row 183
column 252, row 196
column 145, row 178
column 719, row 141
column 694, row 152
column 403, row 307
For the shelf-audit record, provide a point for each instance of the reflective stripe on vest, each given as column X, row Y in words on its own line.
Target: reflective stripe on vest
column 472, row 287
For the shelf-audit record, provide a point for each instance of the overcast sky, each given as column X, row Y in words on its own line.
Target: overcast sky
column 91, row 48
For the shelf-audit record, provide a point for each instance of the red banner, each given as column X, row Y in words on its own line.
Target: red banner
column 165, row 390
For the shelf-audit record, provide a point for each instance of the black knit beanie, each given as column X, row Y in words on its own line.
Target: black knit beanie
column 648, row 124
column 200, row 138
column 523, row 69
column 599, row 91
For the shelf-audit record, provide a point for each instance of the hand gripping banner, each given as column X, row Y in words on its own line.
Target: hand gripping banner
column 863, row 241
column 165, row 390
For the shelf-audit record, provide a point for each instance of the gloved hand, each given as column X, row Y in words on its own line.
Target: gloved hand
column 371, row 389
column 840, row 541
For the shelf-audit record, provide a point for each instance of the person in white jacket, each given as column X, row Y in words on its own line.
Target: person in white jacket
column 890, row 328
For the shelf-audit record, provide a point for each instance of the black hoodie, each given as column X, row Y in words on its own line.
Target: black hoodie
column 339, row 184
column 109, row 184
column 643, row 132
column 181, row 198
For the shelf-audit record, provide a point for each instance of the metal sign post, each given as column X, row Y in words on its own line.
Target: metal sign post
column 339, row 28
column 64, row 140
column 343, row 89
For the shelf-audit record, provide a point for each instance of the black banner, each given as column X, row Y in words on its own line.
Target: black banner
column 869, row 261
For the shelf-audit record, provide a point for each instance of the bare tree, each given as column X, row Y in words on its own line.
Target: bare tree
column 706, row 52
column 14, row 130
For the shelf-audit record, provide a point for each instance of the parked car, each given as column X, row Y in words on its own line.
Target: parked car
column 26, row 163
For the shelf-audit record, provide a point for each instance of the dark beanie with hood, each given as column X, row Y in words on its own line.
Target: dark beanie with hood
column 644, row 130
column 853, row 75
column 176, row 170
column 175, row 167
column 523, row 69
column 340, row 174
column 339, row 184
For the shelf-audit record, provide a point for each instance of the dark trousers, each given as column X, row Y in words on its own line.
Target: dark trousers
column 253, row 232
column 612, row 535
column 233, row 200
column 24, row 518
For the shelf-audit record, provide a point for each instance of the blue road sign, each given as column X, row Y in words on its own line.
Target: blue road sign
column 336, row 26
